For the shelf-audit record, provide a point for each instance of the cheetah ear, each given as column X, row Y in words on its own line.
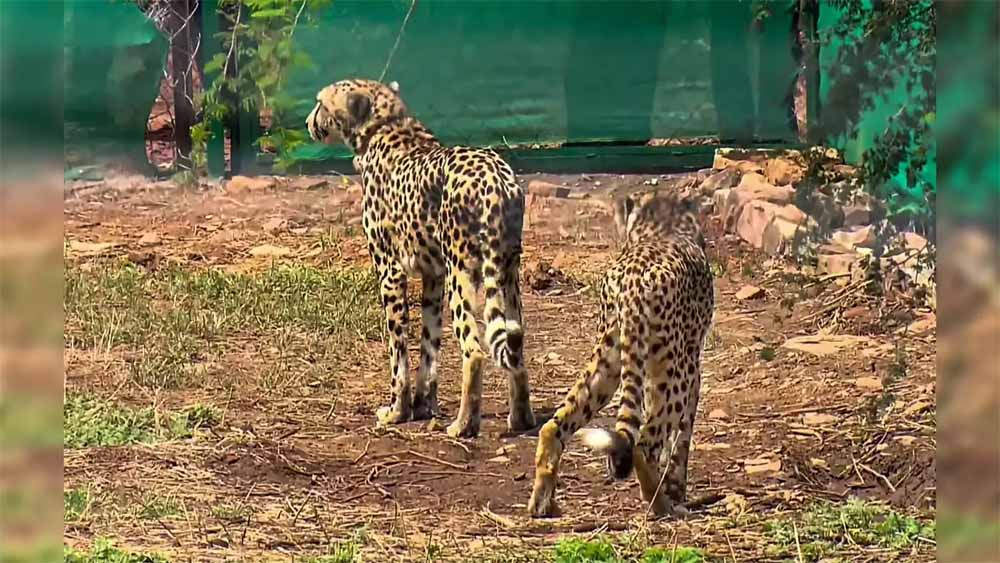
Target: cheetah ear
column 596, row 439
column 625, row 209
column 394, row 86
column 358, row 106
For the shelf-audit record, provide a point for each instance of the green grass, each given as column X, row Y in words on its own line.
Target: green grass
column 89, row 422
column 104, row 552
column 76, row 504
column 155, row 507
column 826, row 528
column 169, row 318
column 601, row 551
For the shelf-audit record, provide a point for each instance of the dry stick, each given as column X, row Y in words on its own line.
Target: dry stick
column 878, row 475
column 798, row 546
column 731, row 550
column 502, row 521
column 364, row 453
column 436, row 460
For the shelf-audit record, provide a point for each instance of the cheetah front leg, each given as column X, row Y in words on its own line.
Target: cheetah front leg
column 589, row 395
column 425, row 402
column 394, row 303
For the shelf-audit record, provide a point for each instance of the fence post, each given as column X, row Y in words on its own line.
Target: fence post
column 809, row 14
column 211, row 45
column 183, row 64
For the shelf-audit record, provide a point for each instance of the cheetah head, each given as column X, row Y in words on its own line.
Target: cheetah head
column 347, row 110
column 659, row 209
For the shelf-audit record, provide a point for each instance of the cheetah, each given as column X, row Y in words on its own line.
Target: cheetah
column 656, row 307
column 452, row 216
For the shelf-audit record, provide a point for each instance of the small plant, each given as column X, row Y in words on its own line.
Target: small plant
column 156, row 507
column 601, row 551
column 672, row 555
column 580, row 551
column 827, row 528
column 231, row 512
column 103, row 551
column 767, row 353
column 258, row 55
column 90, row 422
column 76, row 504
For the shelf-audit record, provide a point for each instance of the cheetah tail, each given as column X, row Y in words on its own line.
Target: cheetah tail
column 504, row 336
column 616, row 445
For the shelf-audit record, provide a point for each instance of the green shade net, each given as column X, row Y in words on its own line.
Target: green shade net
column 538, row 72
column 113, row 64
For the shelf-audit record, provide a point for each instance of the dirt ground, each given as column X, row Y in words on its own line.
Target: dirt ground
column 778, row 430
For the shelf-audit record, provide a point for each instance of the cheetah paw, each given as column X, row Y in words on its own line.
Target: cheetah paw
column 468, row 428
column 388, row 416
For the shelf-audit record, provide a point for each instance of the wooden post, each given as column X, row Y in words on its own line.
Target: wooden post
column 183, row 69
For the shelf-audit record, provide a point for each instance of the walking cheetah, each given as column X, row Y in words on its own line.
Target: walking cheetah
column 656, row 308
column 451, row 215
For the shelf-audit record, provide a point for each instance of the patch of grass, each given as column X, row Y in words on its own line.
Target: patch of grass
column 673, row 555
column 171, row 316
column 104, row 552
column 89, row 422
column 155, row 507
column 76, row 504
column 346, row 552
column 767, row 353
column 601, row 551
column 231, row 512
column 827, row 528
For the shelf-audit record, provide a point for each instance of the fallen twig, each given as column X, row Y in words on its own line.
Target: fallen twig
column 426, row 457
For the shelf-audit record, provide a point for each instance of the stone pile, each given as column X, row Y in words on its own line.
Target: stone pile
column 761, row 197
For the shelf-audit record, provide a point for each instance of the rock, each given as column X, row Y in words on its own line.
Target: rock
column 757, row 215
column 274, row 224
column 912, row 242
column 719, row 200
column 270, row 251
column 923, row 325
column 546, row 189
column 780, row 233
column 722, row 180
column 818, row 419
column 240, row 184
column 741, row 160
column 149, row 239
column 752, row 187
column 854, row 237
column 856, row 215
column 782, row 171
column 90, row 248
column 718, row 414
column 749, row 292
column 838, row 260
column 825, row 210
column 825, row 344
column 761, row 465
column 872, row 383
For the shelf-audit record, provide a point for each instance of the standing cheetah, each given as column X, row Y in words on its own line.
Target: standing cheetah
column 451, row 215
column 656, row 308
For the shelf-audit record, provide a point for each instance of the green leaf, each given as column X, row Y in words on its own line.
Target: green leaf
column 271, row 13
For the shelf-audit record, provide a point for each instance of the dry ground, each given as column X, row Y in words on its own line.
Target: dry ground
column 284, row 462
